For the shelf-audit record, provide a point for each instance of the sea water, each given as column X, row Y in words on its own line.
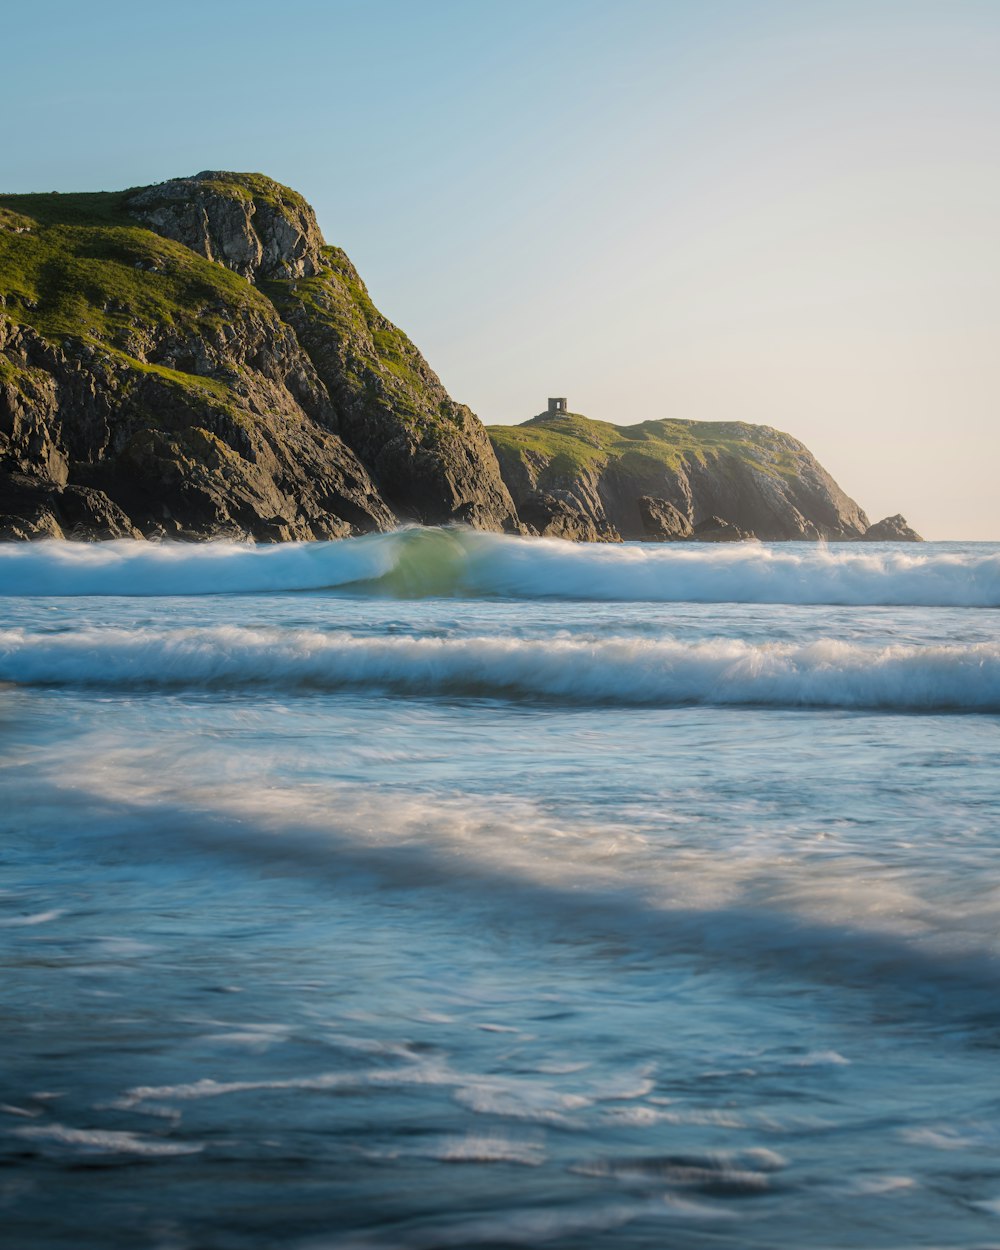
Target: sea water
column 440, row 889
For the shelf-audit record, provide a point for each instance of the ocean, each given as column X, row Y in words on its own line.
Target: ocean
column 445, row 889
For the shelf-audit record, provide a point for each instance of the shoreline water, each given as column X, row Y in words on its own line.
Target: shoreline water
column 298, row 952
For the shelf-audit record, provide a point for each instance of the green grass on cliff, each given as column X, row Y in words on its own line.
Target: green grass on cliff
column 78, row 266
column 337, row 304
column 571, row 444
column 245, row 187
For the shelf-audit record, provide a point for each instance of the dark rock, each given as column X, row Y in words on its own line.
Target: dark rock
column 149, row 455
column 551, row 517
column 892, row 529
column 36, row 508
column 430, row 457
column 84, row 511
column 662, row 521
column 714, row 529
column 27, row 508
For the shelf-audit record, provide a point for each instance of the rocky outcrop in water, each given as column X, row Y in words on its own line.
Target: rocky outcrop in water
column 715, row 530
column 892, row 529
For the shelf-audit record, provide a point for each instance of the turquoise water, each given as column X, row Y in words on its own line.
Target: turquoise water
column 448, row 890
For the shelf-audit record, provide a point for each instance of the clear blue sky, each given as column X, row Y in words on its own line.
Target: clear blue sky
column 778, row 212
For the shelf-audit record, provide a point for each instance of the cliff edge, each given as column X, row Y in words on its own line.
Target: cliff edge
column 574, row 477
column 192, row 359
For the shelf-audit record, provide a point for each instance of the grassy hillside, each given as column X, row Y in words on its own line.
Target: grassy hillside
column 572, row 443
column 755, row 477
column 78, row 265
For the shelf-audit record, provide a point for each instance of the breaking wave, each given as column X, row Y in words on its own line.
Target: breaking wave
column 415, row 563
column 616, row 671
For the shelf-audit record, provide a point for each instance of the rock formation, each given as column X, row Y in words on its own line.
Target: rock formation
column 715, row 530
column 670, row 480
column 191, row 359
column 892, row 529
column 661, row 521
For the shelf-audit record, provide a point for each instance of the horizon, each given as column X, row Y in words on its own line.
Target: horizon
column 781, row 215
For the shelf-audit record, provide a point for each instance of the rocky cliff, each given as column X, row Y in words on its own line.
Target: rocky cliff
column 667, row 480
column 192, row 359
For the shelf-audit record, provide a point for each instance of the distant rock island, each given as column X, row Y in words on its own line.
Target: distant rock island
column 192, row 360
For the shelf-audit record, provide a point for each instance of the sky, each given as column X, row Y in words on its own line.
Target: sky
column 774, row 212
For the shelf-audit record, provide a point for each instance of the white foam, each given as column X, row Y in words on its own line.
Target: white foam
column 878, row 1186
column 623, row 671
column 194, row 1091
column 477, row 1148
column 127, row 567
column 22, row 922
column 751, row 902
column 522, row 1100
column 104, row 1141
column 421, row 562
column 962, row 1136
column 719, row 1172
column 26, row 1113
column 821, row 1058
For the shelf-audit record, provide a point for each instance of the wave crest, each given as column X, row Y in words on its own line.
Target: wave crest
column 616, row 671
column 418, row 563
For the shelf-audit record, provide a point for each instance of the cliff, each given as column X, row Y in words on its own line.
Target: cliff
column 666, row 480
column 192, row 359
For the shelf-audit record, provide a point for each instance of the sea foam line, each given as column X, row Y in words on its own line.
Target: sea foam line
column 616, row 671
column 461, row 562
column 857, row 918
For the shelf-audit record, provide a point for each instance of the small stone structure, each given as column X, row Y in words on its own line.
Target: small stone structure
column 557, row 406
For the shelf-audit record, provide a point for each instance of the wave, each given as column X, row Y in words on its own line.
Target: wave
column 616, row 671
column 414, row 563
column 864, row 919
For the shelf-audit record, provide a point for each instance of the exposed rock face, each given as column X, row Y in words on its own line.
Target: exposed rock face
column 197, row 359
column 663, row 522
column 248, row 223
column 552, row 517
column 30, row 508
column 429, row 456
column 715, row 530
column 662, row 479
column 170, row 459
column 892, row 529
